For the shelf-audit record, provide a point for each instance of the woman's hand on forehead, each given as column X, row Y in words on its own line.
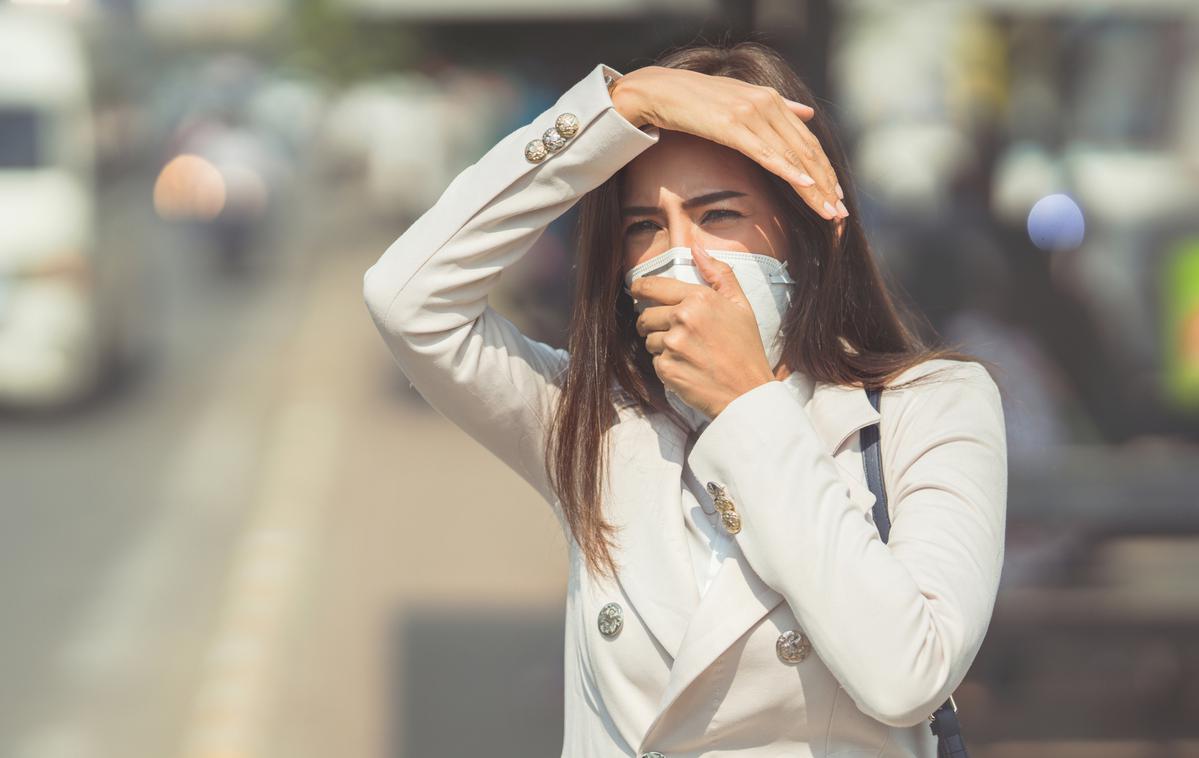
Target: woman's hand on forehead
column 755, row 120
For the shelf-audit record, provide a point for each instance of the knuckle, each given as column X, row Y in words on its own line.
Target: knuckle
column 663, row 367
column 761, row 96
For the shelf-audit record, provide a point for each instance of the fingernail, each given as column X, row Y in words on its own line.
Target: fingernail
column 805, row 180
column 841, row 207
column 828, row 207
column 840, row 192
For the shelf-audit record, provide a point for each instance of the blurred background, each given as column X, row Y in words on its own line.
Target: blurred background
column 225, row 515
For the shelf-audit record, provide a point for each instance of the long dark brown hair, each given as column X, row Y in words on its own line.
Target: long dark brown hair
column 840, row 299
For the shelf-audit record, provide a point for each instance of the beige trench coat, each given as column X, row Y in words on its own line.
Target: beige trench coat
column 893, row 627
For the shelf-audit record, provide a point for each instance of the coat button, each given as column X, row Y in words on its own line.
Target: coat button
column 567, row 124
column 731, row 521
column 535, row 151
column 729, row 518
column 553, row 140
column 611, row 619
column 793, row 646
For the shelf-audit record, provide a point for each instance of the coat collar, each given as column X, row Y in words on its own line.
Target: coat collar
column 647, row 458
column 836, row 410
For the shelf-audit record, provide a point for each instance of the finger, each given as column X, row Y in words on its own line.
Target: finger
column 709, row 268
column 789, row 160
column 760, row 139
column 792, row 130
column 805, row 112
column 717, row 273
column 663, row 289
column 656, row 318
column 655, row 343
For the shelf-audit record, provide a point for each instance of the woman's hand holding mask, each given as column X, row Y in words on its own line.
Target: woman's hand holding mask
column 704, row 339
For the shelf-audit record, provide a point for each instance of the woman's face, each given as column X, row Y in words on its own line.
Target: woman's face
column 686, row 188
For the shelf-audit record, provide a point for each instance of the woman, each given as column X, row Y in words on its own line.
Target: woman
column 729, row 592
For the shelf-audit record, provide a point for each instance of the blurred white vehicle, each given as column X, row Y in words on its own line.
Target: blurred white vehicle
column 60, row 322
column 405, row 136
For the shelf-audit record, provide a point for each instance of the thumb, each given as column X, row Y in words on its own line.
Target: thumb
column 718, row 274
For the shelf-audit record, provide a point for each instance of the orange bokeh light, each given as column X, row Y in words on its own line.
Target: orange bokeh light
column 189, row 187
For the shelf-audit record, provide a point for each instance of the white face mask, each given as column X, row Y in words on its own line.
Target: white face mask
column 767, row 285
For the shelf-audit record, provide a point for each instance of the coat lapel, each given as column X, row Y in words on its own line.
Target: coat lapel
column 736, row 600
column 646, row 504
column 698, row 631
column 837, row 411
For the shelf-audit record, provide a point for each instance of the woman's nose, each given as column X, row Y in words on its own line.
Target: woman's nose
column 682, row 235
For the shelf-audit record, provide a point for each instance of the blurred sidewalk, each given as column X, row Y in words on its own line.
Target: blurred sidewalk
column 415, row 521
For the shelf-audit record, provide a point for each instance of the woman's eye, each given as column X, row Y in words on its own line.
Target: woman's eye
column 713, row 214
column 721, row 213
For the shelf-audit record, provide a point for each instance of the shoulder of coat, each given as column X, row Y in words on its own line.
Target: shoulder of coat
column 928, row 377
column 932, row 372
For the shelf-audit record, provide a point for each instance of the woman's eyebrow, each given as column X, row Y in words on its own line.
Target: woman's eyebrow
column 711, row 197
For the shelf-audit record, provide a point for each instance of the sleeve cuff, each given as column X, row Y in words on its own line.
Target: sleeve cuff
column 649, row 132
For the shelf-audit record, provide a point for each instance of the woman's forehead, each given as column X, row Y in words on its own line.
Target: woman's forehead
column 684, row 165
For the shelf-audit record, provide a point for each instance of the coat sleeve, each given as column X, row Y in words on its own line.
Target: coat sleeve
column 897, row 623
column 427, row 293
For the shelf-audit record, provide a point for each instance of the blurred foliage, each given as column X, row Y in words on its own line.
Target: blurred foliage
column 324, row 39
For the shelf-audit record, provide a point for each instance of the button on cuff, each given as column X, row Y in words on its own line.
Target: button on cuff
column 553, row 140
column 566, row 125
column 536, row 151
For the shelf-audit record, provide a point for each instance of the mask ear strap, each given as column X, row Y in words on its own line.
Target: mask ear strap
column 782, row 275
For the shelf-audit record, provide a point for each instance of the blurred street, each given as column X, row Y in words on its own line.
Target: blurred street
column 221, row 557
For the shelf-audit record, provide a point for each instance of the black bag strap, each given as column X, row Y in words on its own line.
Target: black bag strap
column 944, row 720
column 872, row 462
